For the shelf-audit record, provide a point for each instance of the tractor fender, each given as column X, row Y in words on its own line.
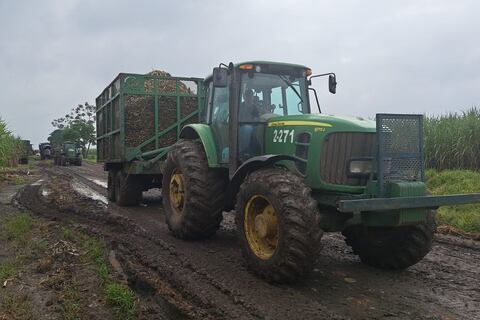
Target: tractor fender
column 204, row 133
column 252, row 164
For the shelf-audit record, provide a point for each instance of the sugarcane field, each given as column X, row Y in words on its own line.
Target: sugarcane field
column 315, row 160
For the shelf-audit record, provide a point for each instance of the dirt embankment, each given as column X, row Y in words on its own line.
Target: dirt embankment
column 208, row 279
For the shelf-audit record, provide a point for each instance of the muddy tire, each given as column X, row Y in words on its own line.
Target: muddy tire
column 111, row 186
column 63, row 161
column 392, row 247
column 290, row 252
column 78, row 162
column 128, row 191
column 192, row 193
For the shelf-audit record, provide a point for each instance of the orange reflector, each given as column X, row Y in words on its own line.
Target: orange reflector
column 308, row 72
column 247, row 67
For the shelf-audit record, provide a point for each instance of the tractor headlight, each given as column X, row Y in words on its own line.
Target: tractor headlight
column 360, row 167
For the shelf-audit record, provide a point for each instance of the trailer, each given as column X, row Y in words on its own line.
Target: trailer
column 139, row 117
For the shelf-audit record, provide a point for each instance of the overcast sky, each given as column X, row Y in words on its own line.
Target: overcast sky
column 389, row 56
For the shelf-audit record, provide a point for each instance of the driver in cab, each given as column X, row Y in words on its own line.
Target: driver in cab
column 249, row 112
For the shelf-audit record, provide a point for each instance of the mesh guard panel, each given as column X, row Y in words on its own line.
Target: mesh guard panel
column 400, row 149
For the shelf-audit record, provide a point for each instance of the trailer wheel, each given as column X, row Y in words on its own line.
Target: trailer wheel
column 192, row 192
column 111, row 186
column 128, row 191
column 392, row 247
column 277, row 223
column 63, row 161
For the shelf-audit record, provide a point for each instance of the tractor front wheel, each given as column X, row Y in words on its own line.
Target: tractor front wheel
column 277, row 223
column 392, row 247
column 192, row 192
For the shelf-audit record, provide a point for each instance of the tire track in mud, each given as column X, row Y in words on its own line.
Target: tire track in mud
column 165, row 272
column 208, row 279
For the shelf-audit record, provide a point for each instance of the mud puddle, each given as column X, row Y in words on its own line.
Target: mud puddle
column 88, row 192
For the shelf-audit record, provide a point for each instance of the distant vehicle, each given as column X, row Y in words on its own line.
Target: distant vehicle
column 26, row 151
column 45, row 151
column 68, row 153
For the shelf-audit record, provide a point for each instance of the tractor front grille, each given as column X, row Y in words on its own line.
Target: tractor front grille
column 338, row 149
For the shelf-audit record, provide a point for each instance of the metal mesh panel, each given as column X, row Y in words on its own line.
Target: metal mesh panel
column 400, row 148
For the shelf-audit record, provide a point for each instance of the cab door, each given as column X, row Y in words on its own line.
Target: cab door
column 219, row 121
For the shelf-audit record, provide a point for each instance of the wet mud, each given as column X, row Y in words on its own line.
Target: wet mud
column 208, row 279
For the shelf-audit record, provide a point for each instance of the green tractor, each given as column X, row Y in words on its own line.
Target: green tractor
column 68, row 153
column 289, row 174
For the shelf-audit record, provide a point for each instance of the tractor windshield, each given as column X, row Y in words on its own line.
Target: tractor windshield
column 275, row 94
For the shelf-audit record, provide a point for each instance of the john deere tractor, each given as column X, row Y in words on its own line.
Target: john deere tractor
column 68, row 153
column 289, row 174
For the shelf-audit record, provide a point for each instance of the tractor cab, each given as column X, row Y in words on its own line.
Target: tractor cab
column 242, row 99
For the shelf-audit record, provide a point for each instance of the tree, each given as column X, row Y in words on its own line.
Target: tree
column 56, row 137
column 78, row 125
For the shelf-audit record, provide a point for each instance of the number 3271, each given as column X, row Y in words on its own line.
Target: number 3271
column 283, row 135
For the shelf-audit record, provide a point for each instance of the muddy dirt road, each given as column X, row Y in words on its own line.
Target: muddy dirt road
column 208, row 279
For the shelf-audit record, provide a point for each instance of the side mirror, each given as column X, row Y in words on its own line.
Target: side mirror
column 332, row 84
column 220, row 76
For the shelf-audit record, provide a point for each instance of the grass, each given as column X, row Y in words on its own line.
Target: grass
column 465, row 217
column 122, row 299
column 93, row 161
column 67, row 233
column 19, row 180
column 17, row 307
column 71, row 305
column 18, row 228
column 7, row 271
column 119, row 296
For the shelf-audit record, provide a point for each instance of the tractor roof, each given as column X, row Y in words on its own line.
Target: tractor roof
column 274, row 63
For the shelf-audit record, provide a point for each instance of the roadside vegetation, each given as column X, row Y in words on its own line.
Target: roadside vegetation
column 9, row 146
column 55, row 252
column 452, row 141
column 452, row 154
column 465, row 217
column 91, row 156
column 118, row 295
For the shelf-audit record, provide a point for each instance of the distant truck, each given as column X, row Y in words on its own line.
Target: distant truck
column 45, row 150
column 26, row 151
column 67, row 153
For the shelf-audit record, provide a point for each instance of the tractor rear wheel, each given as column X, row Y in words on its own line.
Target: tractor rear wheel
column 192, row 193
column 111, row 185
column 277, row 223
column 128, row 191
column 392, row 247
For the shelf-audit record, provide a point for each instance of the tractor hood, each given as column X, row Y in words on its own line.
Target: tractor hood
column 334, row 122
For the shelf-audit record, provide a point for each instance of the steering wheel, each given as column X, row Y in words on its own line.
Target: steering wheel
column 272, row 108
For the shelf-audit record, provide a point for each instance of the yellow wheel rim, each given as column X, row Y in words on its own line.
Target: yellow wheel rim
column 177, row 191
column 261, row 227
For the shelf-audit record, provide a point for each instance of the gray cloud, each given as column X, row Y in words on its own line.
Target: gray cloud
column 403, row 56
